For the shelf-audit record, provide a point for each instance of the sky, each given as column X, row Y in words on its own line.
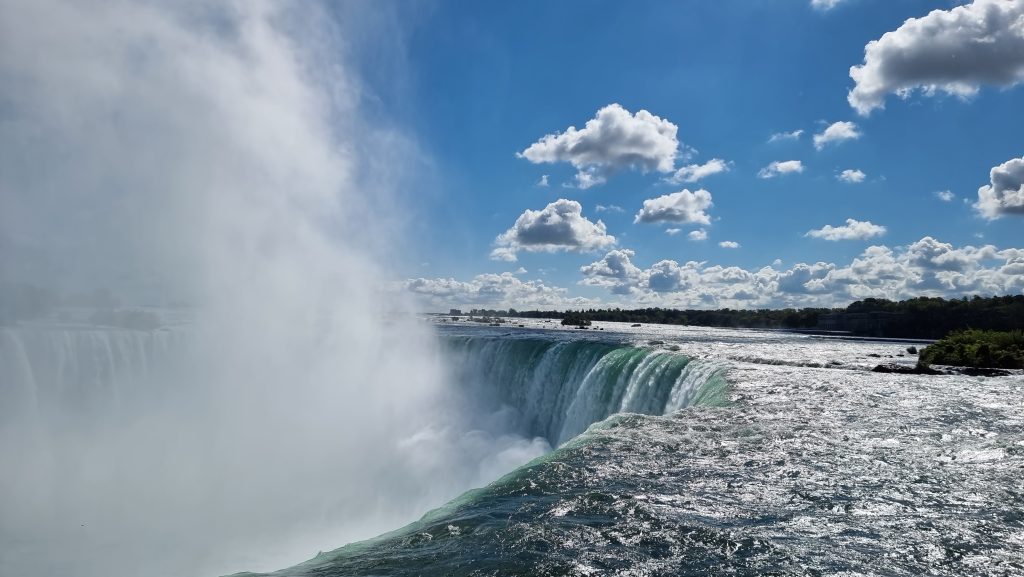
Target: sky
column 737, row 153
column 531, row 154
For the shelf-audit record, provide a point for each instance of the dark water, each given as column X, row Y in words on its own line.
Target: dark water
column 794, row 470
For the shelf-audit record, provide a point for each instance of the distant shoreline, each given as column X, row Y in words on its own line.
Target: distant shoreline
column 923, row 319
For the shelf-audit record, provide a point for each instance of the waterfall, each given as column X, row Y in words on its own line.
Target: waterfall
column 559, row 388
column 71, row 372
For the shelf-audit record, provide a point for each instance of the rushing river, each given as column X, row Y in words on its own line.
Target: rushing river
column 659, row 451
column 804, row 463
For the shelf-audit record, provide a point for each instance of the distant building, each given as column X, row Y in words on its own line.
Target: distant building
column 455, row 312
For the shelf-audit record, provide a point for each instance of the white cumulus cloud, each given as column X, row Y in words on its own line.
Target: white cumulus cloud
column 696, row 172
column 826, row 5
column 729, row 244
column 613, row 140
column 945, row 195
column 559, row 226
column 615, row 271
column 781, row 167
column 927, row 267
column 852, row 230
column 491, row 291
column 852, row 176
column 835, row 133
column 698, row 235
column 950, row 51
column 679, row 207
column 783, row 136
column 1004, row 194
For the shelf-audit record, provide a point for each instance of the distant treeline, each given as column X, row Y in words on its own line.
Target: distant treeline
column 763, row 318
column 923, row 317
column 934, row 318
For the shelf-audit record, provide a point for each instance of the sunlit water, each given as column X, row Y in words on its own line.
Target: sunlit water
column 677, row 451
column 808, row 465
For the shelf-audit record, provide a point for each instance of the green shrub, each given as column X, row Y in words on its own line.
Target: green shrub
column 975, row 348
column 576, row 319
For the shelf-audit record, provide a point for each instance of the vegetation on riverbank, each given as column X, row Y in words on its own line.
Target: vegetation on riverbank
column 923, row 317
column 576, row 320
column 976, row 348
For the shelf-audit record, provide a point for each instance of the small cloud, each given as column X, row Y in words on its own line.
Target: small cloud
column 505, row 254
column 608, row 208
column 729, row 244
column 777, row 262
column 784, row 136
column 782, row 167
column 852, row 230
column 825, row 5
column 945, row 196
column 852, row 176
column 673, row 231
column 1004, row 195
column 698, row 235
column 521, row 270
column 614, row 140
column 679, row 207
column 560, row 226
column 836, row 133
column 543, row 181
column 695, row 172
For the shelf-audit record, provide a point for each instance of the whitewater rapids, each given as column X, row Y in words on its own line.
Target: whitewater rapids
column 808, row 464
column 653, row 450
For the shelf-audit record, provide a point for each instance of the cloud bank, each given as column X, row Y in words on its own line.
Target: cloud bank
column 927, row 267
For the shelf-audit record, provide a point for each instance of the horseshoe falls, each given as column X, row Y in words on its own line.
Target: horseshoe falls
column 716, row 451
column 214, row 360
column 558, row 388
column 668, row 450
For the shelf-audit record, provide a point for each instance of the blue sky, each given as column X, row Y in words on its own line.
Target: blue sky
column 484, row 81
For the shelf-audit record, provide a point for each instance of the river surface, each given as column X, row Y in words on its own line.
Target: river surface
column 619, row 450
column 791, row 458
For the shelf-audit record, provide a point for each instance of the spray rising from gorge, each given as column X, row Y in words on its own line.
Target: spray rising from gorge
column 186, row 153
column 185, row 158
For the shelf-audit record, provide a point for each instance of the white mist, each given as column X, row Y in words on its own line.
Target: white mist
column 213, row 153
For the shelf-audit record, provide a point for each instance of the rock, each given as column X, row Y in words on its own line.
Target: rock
column 635, row 325
column 981, row 372
column 905, row 370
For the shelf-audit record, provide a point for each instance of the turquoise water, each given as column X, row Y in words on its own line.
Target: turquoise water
column 782, row 470
column 662, row 451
